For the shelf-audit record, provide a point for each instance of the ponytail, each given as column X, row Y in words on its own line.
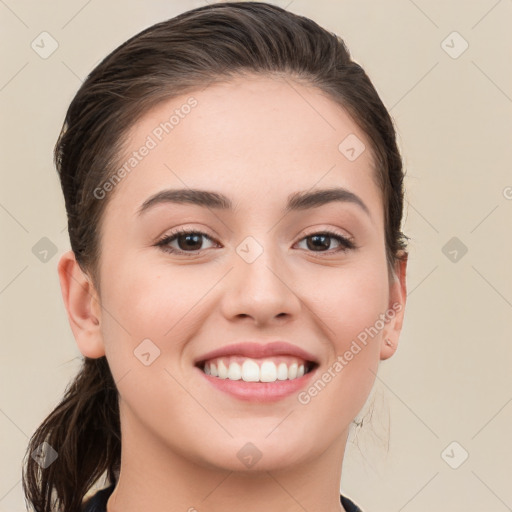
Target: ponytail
column 83, row 433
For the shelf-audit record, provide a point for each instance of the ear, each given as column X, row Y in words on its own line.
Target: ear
column 396, row 309
column 82, row 304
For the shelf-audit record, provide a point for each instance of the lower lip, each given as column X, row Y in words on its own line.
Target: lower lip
column 259, row 391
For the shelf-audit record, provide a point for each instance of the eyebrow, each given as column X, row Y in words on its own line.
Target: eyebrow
column 303, row 200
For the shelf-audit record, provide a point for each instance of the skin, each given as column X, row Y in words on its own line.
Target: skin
column 256, row 140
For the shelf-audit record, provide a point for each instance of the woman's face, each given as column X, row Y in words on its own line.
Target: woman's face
column 255, row 273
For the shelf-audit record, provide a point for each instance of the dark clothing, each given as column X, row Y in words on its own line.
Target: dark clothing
column 98, row 502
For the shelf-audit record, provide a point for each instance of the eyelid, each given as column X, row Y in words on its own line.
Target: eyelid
column 187, row 228
column 327, row 230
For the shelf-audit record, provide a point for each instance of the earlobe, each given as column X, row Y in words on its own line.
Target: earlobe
column 82, row 305
column 396, row 309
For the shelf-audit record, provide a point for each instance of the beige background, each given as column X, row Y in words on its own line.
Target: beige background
column 451, row 378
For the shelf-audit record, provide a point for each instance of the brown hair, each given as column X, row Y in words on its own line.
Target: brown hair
column 201, row 46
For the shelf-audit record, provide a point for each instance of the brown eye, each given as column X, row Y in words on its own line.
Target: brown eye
column 186, row 241
column 191, row 241
column 322, row 241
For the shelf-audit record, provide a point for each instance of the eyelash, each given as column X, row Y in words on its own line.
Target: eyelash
column 345, row 243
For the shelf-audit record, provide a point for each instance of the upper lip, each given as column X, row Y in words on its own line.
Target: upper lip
column 257, row 350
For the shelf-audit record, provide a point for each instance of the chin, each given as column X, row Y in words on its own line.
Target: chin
column 255, row 456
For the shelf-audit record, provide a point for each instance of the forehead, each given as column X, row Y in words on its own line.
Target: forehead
column 251, row 133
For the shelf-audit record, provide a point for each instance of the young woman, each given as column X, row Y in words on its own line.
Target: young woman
column 234, row 198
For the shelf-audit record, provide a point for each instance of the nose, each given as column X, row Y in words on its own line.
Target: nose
column 262, row 290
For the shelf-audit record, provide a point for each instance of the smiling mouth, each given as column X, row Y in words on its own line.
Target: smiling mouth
column 270, row 369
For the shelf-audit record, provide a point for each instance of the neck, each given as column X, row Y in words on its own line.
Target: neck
column 155, row 477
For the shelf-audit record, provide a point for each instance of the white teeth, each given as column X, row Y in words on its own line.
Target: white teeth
column 234, row 372
column 268, row 372
column 222, row 370
column 250, row 371
column 282, row 371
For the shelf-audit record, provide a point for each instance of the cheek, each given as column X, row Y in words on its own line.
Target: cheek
column 350, row 312
column 150, row 302
column 145, row 325
column 350, row 300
